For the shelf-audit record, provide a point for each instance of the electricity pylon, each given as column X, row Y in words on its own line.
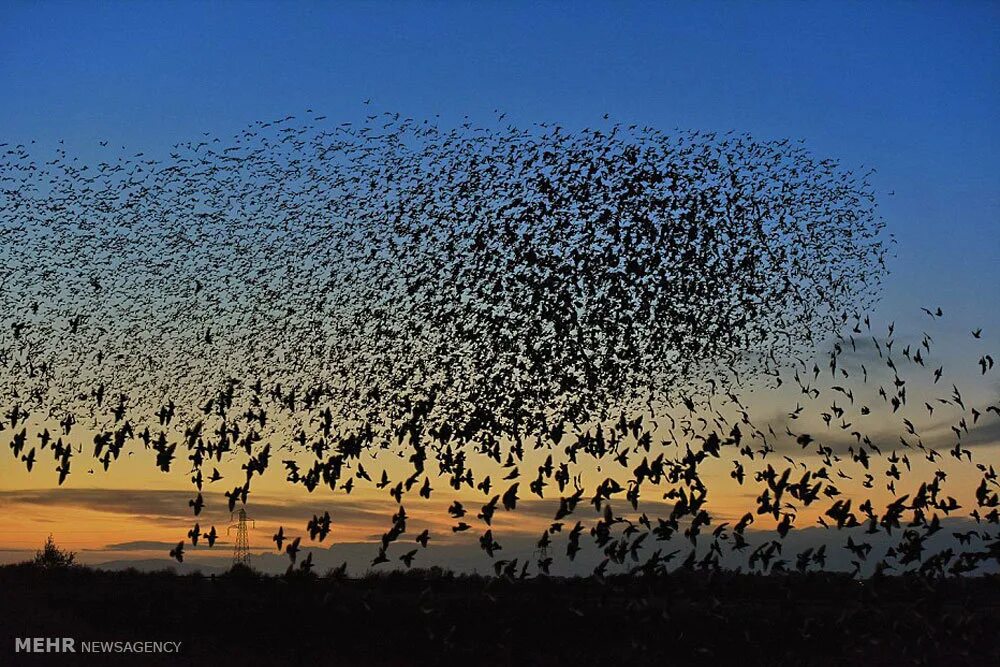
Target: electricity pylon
column 541, row 554
column 241, row 552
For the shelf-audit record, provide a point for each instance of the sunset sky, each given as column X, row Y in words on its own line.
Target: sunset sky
column 910, row 89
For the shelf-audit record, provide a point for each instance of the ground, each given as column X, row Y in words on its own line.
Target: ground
column 432, row 617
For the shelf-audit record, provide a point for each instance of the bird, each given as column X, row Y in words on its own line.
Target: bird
column 293, row 549
column 586, row 310
column 407, row 558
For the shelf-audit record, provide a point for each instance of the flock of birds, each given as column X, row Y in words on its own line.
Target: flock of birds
column 503, row 278
column 539, row 301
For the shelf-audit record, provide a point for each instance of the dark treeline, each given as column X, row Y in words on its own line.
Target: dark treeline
column 435, row 617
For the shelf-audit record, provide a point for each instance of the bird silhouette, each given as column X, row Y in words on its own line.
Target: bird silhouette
column 590, row 313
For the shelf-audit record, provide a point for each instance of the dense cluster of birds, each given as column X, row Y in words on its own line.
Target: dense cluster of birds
column 501, row 279
column 538, row 301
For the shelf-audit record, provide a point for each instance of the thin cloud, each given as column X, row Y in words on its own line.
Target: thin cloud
column 143, row 545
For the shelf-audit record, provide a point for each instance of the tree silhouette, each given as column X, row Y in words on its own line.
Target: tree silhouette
column 51, row 556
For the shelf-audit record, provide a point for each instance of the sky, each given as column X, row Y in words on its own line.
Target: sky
column 910, row 89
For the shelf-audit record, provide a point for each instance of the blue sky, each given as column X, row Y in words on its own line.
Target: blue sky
column 912, row 89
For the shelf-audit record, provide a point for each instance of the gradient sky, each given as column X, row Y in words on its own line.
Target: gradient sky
column 911, row 89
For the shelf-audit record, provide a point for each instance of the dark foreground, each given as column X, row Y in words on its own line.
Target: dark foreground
column 429, row 618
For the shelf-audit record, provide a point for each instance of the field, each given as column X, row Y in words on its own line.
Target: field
column 433, row 617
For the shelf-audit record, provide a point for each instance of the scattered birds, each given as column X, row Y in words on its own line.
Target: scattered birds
column 522, row 304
